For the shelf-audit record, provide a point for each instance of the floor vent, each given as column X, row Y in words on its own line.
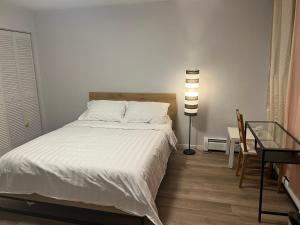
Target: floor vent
column 215, row 144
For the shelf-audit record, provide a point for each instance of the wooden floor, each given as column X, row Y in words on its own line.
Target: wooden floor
column 199, row 190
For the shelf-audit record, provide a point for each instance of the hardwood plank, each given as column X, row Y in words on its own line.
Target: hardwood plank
column 200, row 189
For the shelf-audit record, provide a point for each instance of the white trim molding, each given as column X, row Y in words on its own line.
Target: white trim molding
column 285, row 182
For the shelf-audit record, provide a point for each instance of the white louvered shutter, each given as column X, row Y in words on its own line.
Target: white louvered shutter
column 19, row 92
column 31, row 111
column 9, row 84
column 11, row 90
column 5, row 144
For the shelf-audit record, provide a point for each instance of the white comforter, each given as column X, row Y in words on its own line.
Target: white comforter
column 112, row 164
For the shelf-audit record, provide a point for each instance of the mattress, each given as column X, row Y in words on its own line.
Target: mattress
column 101, row 163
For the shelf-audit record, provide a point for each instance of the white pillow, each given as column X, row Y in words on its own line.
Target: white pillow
column 146, row 112
column 112, row 111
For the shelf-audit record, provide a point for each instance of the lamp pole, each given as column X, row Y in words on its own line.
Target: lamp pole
column 189, row 151
column 190, row 132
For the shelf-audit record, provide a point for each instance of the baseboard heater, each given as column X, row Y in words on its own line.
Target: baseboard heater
column 295, row 200
column 215, row 144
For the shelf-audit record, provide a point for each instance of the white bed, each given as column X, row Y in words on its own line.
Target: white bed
column 101, row 163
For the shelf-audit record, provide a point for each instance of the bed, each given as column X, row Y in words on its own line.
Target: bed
column 107, row 166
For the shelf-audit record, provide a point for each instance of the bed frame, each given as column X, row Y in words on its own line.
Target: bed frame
column 89, row 209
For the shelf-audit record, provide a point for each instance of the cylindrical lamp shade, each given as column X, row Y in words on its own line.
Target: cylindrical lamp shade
column 192, row 79
column 191, row 95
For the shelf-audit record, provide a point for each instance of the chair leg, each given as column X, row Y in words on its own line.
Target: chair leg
column 270, row 170
column 244, row 160
column 238, row 163
column 279, row 180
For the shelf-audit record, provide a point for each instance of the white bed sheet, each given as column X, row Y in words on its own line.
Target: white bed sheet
column 102, row 163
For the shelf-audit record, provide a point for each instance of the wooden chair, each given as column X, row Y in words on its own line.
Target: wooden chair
column 248, row 152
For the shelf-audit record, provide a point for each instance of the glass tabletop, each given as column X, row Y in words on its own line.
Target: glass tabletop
column 272, row 136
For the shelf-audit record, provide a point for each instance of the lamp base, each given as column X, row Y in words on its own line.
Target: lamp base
column 189, row 151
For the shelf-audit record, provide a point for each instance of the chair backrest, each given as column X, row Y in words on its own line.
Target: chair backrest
column 241, row 127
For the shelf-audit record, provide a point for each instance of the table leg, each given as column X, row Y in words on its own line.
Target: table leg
column 231, row 154
column 261, row 185
column 228, row 145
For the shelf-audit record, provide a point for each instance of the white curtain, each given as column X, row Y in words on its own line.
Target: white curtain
column 283, row 17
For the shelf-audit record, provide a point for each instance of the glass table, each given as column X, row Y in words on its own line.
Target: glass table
column 273, row 144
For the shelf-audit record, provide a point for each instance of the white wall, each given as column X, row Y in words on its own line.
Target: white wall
column 147, row 47
column 16, row 18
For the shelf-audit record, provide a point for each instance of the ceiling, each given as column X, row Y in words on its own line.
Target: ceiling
column 62, row 4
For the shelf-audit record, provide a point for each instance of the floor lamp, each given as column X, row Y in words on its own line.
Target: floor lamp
column 191, row 101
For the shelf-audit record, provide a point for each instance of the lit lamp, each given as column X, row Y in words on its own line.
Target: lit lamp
column 191, row 101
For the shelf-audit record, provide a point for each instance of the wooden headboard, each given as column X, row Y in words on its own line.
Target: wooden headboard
column 140, row 97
